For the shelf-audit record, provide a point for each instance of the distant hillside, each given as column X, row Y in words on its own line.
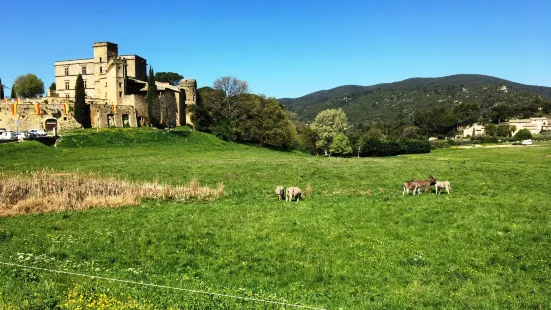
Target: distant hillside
column 386, row 102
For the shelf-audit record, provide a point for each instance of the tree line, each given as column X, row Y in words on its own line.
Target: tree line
column 229, row 111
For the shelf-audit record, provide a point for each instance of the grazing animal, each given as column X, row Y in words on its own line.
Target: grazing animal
column 426, row 184
column 280, row 192
column 293, row 193
column 411, row 185
column 443, row 185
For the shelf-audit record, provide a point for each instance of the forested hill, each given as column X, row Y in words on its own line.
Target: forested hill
column 387, row 102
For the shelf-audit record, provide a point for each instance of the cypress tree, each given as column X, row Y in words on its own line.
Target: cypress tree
column 1, row 90
column 12, row 95
column 153, row 108
column 82, row 110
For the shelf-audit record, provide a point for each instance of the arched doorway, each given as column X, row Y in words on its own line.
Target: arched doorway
column 125, row 120
column 51, row 126
column 110, row 120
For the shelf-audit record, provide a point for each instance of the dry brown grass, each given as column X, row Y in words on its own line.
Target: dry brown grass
column 309, row 190
column 47, row 191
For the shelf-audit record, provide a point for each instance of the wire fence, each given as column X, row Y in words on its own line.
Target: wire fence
column 191, row 291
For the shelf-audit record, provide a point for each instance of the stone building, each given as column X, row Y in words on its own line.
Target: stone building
column 115, row 87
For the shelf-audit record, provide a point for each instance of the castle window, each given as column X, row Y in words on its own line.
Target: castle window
column 66, row 70
column 120, row 94
column 67, row 96
column 120, row 84
column 105, row 84
column 66, row 85
column 100, row 69
column 83, row 70
column 100, row 59
column 85, row 84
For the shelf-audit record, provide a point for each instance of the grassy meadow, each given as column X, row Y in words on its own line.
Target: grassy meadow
column 354, row 243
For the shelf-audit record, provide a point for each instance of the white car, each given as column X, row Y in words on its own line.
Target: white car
column 8, row 135
column 21, row 135
column 527, row 142
column 36, row 133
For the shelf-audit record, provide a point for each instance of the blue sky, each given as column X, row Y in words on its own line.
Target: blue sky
column 287, row 48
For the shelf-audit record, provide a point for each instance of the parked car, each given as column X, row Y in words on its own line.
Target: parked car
column 2, row 130
column 527, row 142
column 22, row 135
column 8, row 135
column 33, row 133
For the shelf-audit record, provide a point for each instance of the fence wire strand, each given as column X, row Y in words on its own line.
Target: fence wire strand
column 161, row 286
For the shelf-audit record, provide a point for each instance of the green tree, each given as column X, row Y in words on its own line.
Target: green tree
column 82, row 110
column 168, row 77
column 1, row 90
column 152, row 98
column 272, row 125
column 200, row 115
column 327, row 125
column 169, row 109
column 504, row 130
column 12, row 94
column 340, row 145
column 28, row 86
column 52, row 86
column 491, row 129
column 523, row 134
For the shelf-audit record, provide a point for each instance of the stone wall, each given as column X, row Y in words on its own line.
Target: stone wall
column 103, row 115
column 27, row 118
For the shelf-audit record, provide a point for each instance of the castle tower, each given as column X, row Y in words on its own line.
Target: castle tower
column 104, row 52
column 188, row 96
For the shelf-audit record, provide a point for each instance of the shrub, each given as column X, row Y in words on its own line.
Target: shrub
column 523, row 134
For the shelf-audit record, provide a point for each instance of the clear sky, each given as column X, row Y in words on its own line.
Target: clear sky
column 287, row 48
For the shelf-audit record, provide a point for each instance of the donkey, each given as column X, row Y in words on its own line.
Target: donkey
column 443, row 185
column 426, row 184
column 410, row 185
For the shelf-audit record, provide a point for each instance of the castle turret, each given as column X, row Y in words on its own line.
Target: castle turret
column 188, row 90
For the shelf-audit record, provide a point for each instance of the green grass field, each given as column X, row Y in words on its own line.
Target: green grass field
column 356, row 243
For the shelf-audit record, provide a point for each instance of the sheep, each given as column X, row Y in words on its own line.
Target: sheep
column 443, row 185
column 280, row 192
column 293, row 193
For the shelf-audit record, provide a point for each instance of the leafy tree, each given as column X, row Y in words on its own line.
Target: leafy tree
column 272, row 125
column 340, row 145
column 466, row 113
column 82, row 110
column 523, row 134
column 500, row 113
column 306, row 137
column 168, row 77
column 410, row 132
column 28, row 86
column 1, row 90
column 505, row 130
column 491, row 129
column 52, row 86
column 327, row 125
column 169, row 109
column 200, row 115
column 152, row 98
column 12, row 94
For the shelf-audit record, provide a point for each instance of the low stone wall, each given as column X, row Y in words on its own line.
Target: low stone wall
column 27, row 118
column 103, row 115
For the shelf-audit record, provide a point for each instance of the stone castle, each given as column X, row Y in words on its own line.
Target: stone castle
column 115, row 87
